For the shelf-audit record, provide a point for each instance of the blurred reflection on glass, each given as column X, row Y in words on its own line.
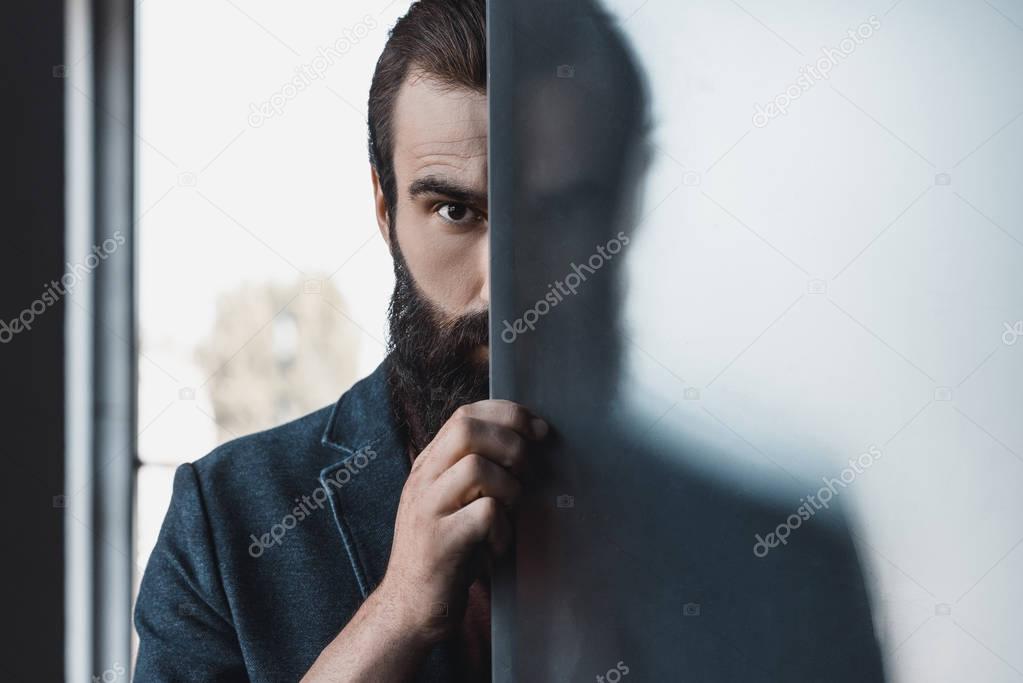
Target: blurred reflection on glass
column 752, row 384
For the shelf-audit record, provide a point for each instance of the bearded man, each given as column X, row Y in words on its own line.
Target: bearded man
column 354, row 544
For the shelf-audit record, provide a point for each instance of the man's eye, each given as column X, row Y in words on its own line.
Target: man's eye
column 456, row 213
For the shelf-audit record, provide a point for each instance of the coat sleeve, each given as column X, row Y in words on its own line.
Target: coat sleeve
column 182, row 615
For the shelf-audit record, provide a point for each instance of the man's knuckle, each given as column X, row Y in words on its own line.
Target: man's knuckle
column 472, row 431
column 518, row 416
column 488, row 510
column 474, row 462
column 513, row 446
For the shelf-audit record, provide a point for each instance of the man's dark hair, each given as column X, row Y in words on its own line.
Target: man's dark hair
column 445, row 39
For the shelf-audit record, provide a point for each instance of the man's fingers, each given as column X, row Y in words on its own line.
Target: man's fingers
column 508, row 414
column 484, row 520
column 462, row 435
column 472, row 477
column 500, row 537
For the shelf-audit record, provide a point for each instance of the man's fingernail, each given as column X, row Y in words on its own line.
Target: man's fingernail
column 539, row 427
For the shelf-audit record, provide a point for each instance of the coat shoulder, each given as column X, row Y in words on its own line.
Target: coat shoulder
column 261, row 462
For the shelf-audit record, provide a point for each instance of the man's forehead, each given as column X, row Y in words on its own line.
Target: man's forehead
column 439, row 127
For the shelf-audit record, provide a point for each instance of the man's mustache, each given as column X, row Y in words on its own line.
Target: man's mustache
column 468, row 331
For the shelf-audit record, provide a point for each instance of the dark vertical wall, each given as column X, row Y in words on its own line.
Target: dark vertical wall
column 32, row 361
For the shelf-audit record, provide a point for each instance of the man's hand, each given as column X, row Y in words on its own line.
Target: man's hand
column 453, row 516
column 454, row 512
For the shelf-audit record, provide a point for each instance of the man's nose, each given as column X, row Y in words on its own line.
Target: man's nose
column 484, row 266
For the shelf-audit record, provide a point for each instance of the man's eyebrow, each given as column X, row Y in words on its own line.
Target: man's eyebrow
column 446, row 188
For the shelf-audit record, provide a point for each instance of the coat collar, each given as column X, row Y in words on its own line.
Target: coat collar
column 365, row 485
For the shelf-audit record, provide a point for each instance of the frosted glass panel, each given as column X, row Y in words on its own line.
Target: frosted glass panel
column 759, row 266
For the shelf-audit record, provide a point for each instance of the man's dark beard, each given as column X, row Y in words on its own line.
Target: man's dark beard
column 432, row 370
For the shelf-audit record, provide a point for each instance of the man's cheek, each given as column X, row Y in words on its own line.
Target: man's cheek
column 452, row 275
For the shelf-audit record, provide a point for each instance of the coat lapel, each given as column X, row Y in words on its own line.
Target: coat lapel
column 364, row 486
